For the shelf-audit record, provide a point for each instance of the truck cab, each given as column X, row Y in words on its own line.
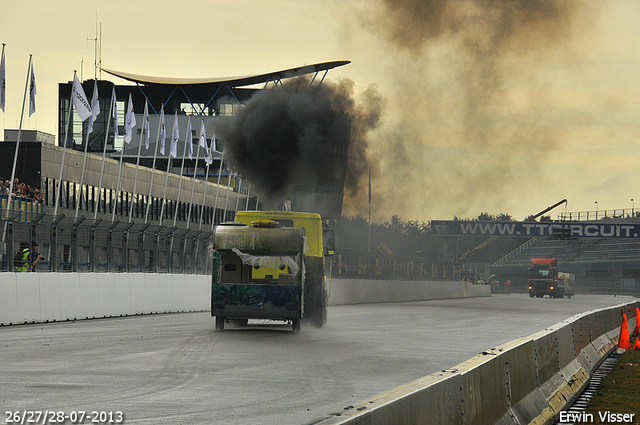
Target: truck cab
column 542, row 277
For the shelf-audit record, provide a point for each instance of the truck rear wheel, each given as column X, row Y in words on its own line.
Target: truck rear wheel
column 219, row 323
column 315, row 303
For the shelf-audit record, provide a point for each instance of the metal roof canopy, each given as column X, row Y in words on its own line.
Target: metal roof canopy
column 247, row 80
column 195, row 87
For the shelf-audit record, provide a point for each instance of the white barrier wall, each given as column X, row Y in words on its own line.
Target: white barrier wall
column 526, row 381
column 48, row 297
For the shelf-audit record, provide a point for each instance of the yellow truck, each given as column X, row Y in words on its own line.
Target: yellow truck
column 270, row 265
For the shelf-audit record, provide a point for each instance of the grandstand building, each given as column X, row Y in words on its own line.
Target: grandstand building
column 599, row 264
column 206, row 100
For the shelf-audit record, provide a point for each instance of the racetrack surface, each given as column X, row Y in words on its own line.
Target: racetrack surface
column 176, row 369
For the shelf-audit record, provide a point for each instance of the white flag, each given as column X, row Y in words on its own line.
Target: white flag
column 80, row 102
column 175, row 136
column 190, row 139
column 129, row 121
column 214, row 148
column 145, row 124
column 95, row 106
column 203, row 139
column 3, row 82
column 32, row 92
column 114, row 107
column 163, row 131
column 208, row 159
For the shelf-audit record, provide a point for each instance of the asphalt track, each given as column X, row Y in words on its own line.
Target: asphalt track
column 176, row 369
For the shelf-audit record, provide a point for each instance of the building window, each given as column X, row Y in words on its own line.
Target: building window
column 229, row 109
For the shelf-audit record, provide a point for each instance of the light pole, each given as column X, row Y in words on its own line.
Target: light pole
column 633, row 208
column 596, row 210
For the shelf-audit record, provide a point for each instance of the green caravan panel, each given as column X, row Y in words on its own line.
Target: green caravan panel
column 256, row 301
column 310, row 221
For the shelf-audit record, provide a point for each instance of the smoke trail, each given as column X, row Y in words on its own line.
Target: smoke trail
column 285, row 139
column 470, row 115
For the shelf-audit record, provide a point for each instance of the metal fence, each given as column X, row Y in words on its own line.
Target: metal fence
column 83, row 245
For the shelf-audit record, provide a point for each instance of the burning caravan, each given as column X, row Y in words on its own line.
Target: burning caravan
column 258, row 273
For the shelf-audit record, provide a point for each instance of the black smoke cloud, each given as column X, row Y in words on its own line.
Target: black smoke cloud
column 467, row 104
column 286, row 138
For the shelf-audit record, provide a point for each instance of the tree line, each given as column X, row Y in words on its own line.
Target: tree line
column 413, row 238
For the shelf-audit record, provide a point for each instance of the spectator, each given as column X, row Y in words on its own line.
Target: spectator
column 30, row 258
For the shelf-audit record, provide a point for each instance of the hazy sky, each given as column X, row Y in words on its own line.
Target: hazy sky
column 488, row 108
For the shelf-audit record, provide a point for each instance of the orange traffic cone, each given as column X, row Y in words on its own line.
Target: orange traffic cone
column 624, row 342
column 636, row 346
column 637, row 329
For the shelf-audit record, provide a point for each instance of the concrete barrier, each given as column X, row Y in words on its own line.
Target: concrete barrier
column 526, row 381
column 48, row 297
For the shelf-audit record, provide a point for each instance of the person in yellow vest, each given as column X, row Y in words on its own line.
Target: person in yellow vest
column 30, row 258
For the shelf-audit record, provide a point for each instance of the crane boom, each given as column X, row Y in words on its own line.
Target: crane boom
column 494, row 238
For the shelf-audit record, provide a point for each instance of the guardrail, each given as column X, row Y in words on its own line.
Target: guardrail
column 599, row 214
column 526, row 381
column 20, row 209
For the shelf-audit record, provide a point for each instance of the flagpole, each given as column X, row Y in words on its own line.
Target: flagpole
column 238, row 183
column 15, row 157
column 115, row 206
column 84, row 159
column 204, row 195
column 184, row 152
column 164, row 196
column 153, row 168
column 64, row 148
column 135, row 179
column 104, row 151
column 166, row 180
column 128, row 130
column 3, row 78
column 369, row 209
column 215, row 205
column 193, row 185
column 226, row 203
column 246, row 207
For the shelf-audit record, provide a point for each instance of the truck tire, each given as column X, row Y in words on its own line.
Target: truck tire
column 295, row 326
column 315, row 302
column 219, row 323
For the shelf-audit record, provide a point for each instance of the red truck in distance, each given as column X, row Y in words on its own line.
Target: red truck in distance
column 544, row 279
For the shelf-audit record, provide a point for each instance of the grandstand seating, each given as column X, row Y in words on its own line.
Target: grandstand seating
column 576, row 251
